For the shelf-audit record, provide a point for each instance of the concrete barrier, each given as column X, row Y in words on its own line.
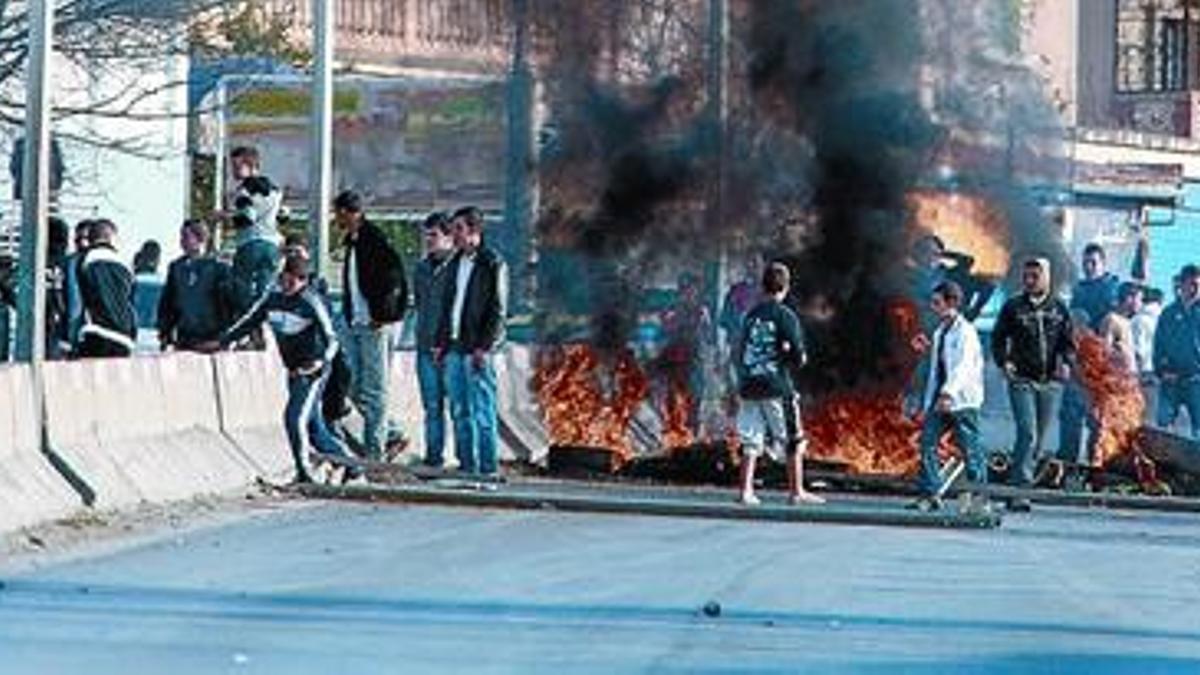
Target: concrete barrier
column 31, row 490
column 522, row 431
column 522, row 437
column 404, row 402
column 144, row 429
column 251, row 394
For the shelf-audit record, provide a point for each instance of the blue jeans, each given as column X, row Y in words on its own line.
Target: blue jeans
column 965, row 424
column 368, row 354
column 255, row 264
column 1034, row 406
column 473, row 408
column 1172, row 394
column 5, row 332
column 1076, row 414
column 432, row 380
column 302, row 418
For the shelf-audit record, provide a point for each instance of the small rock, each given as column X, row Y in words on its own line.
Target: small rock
column 712, row 609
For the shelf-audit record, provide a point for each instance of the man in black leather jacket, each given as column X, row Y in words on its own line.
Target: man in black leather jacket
column 1032, row 343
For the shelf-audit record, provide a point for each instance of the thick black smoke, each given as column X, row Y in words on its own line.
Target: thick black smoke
column 829, row 127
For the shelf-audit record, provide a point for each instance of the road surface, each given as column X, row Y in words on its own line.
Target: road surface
column 349, row 588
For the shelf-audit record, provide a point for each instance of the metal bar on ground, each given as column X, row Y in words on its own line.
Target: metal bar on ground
column 530, row 499
column 321, row 179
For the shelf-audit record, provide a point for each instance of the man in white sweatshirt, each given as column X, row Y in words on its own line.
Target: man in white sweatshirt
column 953, row 394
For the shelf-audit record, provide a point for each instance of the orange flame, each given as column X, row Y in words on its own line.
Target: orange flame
column 677, row 432
column 577, row 408
column 965, row 223
column 867, row 432
column 1115, row 397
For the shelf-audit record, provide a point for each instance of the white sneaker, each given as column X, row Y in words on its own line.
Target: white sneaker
column 320, row 471
column 337, row 475
column 749, row 499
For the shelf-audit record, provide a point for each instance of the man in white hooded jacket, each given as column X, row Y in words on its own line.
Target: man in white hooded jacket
column 953, row 394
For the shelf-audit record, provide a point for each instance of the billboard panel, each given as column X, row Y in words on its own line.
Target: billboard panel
column 405, row 143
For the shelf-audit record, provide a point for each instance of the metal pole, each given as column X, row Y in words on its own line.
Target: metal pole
column 35, row 208
column 519, row 189
column 717, row 75
column 321, row 180
column 35, row 195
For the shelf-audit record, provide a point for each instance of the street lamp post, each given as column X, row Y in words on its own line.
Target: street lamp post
column 321, row 179
column 35, row 196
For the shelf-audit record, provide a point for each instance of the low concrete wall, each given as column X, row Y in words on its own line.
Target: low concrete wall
column 521, row 434
column 30, row 488
column 251, row 394
column 522, row 431
column 143, row 429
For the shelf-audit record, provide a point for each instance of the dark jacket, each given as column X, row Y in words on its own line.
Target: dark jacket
column 484, row 306
column 301, row 323
column 1097, row 297
column 380, row 275
column 106, row 290
column 1177, row 341
column 1036, row 339
column 429, row 292
column 196, row 301
column 769, row 351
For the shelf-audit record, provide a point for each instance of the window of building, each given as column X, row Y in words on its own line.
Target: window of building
column 1154, row 44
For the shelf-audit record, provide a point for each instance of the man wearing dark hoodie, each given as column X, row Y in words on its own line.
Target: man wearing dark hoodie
column 1032, row 343
column 106, row 289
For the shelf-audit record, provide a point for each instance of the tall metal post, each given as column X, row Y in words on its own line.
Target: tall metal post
column 321, row 180
column 35, row 192
column 519, row 188
column 717, row 85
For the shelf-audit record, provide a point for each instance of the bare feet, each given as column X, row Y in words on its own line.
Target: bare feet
column 805, row 497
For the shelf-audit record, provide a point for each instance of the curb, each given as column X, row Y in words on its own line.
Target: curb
column 526, row 499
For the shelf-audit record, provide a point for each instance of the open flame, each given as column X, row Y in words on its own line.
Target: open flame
column 677, row 432
column 965, row 223
column 587, row 400
column 1115, row 397
column 869, row 433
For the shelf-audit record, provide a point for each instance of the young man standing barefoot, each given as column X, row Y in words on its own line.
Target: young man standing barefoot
column 771, row 346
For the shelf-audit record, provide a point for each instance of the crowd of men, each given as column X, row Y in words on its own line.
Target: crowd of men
column 336, row 353
column 1033, row 343
column 339, row 353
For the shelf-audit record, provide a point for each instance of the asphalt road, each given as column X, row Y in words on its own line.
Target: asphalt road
column 345, row 588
